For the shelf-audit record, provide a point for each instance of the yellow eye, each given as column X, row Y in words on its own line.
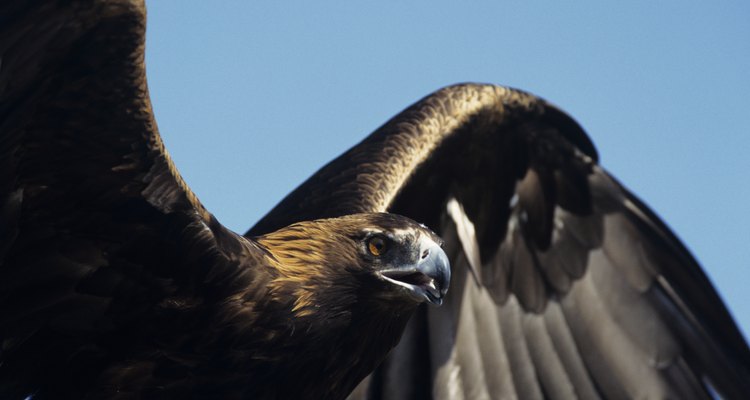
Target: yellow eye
column 376, row 245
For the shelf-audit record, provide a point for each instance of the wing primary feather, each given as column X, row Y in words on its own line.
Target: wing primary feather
column 467, row 236
column 620, row 366
column 632, row 312
column 569, row 353
column 549, row 368
column 490, row 345
column 468, row 352
column 623, row 247
column 522, row 367
column 713, row 359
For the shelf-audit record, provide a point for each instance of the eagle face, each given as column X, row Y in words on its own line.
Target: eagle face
column 411, row 259
column 363, row 258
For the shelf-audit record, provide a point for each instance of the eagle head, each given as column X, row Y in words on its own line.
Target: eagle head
column 328, row 265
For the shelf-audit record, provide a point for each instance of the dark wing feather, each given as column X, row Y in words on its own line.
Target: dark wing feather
column 96, row 226
column 565, row 285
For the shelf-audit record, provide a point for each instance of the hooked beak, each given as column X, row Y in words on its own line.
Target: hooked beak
column 428, row 278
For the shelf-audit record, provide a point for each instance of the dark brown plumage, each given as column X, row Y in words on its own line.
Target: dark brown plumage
column 116, row 282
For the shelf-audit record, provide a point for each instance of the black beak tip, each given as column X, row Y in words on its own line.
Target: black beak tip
column 436, row 301
column 428, row 280
column 437, row 267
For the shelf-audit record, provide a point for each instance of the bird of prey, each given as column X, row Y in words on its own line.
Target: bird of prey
column 116, row 282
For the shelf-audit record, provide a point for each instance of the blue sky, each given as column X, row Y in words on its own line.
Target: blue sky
column 251, row 99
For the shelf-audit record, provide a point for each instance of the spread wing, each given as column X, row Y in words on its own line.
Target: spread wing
column 565, row 284
column 96, row 226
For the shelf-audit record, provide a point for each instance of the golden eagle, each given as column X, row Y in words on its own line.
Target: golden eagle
column 116, row 282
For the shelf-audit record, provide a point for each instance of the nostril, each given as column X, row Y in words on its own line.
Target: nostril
column 425, row 253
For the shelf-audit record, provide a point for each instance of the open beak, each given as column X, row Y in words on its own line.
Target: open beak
column 428, row 278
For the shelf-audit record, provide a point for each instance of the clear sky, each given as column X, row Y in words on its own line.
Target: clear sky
column 251, row 99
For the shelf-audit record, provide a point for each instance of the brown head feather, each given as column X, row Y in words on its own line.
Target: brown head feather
column 308, row 256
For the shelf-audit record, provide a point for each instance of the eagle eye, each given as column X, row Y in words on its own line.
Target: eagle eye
column 377, row 245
